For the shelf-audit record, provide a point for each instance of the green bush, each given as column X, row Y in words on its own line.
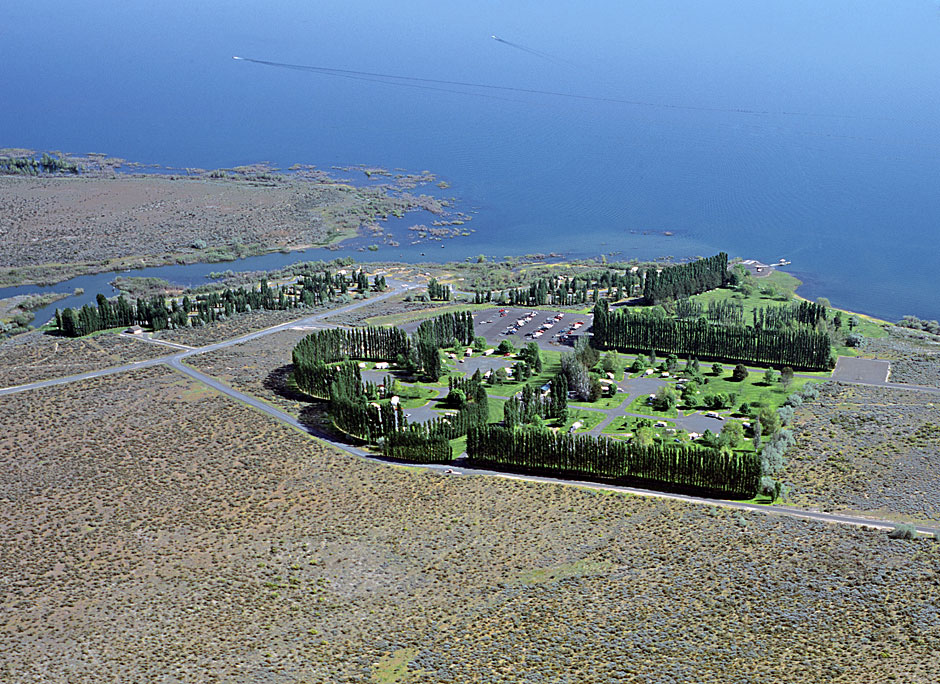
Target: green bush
column 903, row 531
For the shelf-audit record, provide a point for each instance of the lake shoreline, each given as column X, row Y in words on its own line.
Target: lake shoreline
column 106, row 215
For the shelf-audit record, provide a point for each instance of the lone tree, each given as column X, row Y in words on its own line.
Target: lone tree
column 739, row 374
column 665, row 399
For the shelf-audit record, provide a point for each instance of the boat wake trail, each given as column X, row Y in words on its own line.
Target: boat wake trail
column 531, row 51
column 482, row 90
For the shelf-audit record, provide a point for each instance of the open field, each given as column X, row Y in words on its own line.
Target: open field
column 237, row 325
column 36, row 356
column 779, row 285
column 260, row 367
column 56, row 227
column 189, row 538
column 389, row 312
column 867, row 449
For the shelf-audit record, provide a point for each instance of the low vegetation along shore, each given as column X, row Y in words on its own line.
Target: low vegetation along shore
column 102, row 214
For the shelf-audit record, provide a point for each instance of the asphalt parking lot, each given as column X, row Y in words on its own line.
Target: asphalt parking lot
column 869, row 371
column 520, row 326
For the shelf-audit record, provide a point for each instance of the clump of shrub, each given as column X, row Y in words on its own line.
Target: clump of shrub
column 903, row 531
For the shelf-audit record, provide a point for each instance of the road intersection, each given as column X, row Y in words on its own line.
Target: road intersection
column 176, row 361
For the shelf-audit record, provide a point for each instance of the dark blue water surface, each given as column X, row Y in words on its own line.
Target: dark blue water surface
column 802, row 129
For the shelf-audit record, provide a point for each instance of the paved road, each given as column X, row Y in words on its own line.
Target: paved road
column 176, row 361
column 85, row 376
column 148, row 337
column 396, row 287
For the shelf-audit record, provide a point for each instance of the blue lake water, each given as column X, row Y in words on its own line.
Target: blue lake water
column 787, row 128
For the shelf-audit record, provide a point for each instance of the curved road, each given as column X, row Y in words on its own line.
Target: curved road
column 176, row 361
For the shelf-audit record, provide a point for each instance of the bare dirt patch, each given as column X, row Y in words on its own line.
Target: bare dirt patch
column 158, row 531
column 386, row 312
column 260, row 367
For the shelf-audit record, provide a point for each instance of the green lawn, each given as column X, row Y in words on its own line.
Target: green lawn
column 786, row 283
column 753, row 390
column 623, row 424
column 603, row 403
column 783, row 282
column 551, row 366
column 589, row 419
column 413, row 396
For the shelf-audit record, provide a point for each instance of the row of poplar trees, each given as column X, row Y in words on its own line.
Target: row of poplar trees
column 801, row 347
column 691, row 468
column 565, row 291
column 438, row 291
column 684, row 280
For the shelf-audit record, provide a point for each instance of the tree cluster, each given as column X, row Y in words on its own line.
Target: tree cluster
column 324, row 368
column 684, row 280
column 438, row 292
column 531, row 403
column 915, row 323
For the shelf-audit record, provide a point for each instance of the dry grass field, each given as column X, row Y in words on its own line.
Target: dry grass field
column 157, row 532
column 378, row 312
column 868, row 449
column 260, row 367
column 34, row 356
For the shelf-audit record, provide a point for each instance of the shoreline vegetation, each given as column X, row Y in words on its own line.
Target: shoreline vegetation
column 63, row 216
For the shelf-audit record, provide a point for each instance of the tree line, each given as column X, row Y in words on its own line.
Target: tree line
column 684, row 280
column 787, row 316
column 625, row 331
column 711, row 471
column 158, row 313
column 565, row 291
